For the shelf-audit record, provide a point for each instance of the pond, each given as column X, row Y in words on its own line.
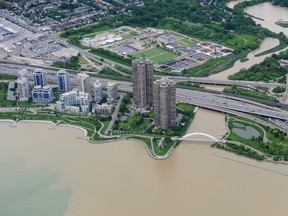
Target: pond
column 246, row 132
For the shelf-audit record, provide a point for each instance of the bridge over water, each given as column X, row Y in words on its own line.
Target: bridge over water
column 188, row 137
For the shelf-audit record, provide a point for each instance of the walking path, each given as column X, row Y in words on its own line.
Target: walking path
column 115, row 114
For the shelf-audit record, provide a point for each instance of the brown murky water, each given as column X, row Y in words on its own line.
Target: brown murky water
column 266, row 44
column 270, row 13
column 121, row 179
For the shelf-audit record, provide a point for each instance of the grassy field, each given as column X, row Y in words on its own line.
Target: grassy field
column 185, row 107
column 277, row 146
column 82, row 60
column 241, row 40
column 7, row 77
column 6, row 103
column 129, row 125
column 156, row 55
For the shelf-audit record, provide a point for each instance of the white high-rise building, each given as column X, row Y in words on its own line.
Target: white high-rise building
column 83, row 101
column 63, row 81
column 23, row 73
column 83, row 82
column 23, row 88
column 98, row 92
column 112, row 92
column 69, row 98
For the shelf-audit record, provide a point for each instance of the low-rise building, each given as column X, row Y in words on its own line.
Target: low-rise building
column 104, row 109
column 73, row 109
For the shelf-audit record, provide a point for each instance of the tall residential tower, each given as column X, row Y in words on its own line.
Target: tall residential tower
column 83, row 82
column 98, row 92
column 164, row 102
column 142, row 76
column 39, row 77
column 63, row 81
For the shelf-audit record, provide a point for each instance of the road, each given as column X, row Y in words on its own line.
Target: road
column 18, row 65
column 218, row 102
column 229, row 104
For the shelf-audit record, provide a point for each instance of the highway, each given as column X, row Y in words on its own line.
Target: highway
column 229, row 104
column 218, row 102
column 204, row 80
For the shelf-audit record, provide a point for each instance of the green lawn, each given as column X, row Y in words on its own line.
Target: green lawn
column 156, row 55
column 6, row 103
column 278, row 147
column 128, row 126
column 185, row 107
column 241, row 40
column 7, row 77
column 82, row 60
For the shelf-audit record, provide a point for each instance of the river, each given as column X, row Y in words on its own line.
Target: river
column 72, row 177
column 270, row 13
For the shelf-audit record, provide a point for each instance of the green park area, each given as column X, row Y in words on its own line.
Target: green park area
column 251, row 93
column 7, row 103
column 5, row 77
column 156, row 55
column 251, row 139
column 138, row 126
column 128, row 125
column 90, row 123
column 112, row 56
